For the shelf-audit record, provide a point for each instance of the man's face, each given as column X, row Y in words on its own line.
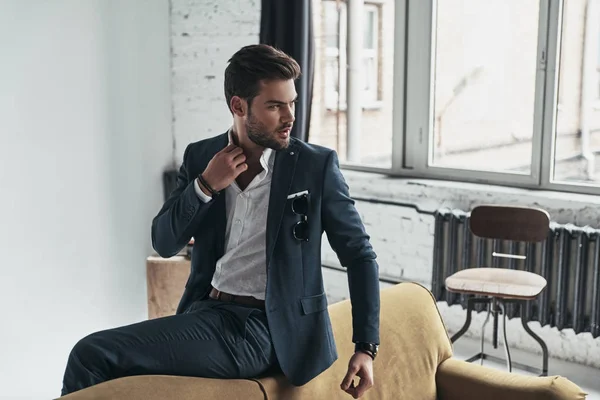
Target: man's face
column 271, row 114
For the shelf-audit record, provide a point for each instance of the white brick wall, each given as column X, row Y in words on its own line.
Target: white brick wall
column 204, row 35
column 403, row 240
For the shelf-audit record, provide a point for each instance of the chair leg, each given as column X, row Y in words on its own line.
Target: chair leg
column 538, row 339
column 495, row 329
column 467, row 323
column 501, row 304
column 470, row 307
column 487, row 318
column 506, row 349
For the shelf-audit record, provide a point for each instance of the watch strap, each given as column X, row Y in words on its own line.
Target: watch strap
column 368, row 348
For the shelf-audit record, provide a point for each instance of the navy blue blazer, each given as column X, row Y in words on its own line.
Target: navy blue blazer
column 296, row 304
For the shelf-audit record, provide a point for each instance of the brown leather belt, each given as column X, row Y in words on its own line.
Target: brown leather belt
column 245, row 300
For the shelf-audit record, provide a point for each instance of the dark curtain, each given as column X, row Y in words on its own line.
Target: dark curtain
column 288, row 26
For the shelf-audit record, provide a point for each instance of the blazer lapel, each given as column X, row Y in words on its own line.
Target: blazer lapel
column 283, row 175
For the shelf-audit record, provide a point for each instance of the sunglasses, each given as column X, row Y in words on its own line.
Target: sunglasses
column 300, row 207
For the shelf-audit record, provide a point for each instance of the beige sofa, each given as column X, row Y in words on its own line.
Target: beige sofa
column 414, row 363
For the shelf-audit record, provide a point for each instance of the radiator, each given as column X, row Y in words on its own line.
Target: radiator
column 568, row 259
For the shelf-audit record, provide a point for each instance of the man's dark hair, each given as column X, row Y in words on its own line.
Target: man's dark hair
column 252, row 64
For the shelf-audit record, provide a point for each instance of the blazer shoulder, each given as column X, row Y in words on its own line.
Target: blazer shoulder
column 314, row 150
column 214, row 144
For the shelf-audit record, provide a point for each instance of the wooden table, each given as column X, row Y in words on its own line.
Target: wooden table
column 166, row 278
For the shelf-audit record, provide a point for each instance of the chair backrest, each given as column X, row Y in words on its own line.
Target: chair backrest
column 521, row 224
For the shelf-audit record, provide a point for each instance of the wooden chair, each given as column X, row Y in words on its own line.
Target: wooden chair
column 497, row 286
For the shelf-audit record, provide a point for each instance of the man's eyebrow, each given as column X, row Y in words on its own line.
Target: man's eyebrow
column 279, row 101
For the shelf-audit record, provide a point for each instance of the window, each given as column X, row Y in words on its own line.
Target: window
column 476, row 85
column 576, row 138
column 483, row 85
column 359, row 129
column 335, row 53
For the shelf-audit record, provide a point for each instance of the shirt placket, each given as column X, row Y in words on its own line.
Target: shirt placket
column 241, row 207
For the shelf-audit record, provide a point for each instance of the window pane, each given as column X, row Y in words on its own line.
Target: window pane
column 330, row 93
column 484, row 84
column 331, row 23
column 369, row 73
column 328, row 121
column 370, row 30
column 577, row 134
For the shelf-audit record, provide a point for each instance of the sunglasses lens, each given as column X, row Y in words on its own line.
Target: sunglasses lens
column 300, row 205
column 301, row 230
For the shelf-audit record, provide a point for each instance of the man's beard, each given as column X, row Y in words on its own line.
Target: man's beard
column 258, row 134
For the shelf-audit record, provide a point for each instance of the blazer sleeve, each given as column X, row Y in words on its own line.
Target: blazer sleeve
column 349, row 240
column 181, row 214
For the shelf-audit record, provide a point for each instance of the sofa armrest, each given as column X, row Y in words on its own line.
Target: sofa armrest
column 457, row 380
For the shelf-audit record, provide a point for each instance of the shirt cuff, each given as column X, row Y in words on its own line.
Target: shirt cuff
column 201, row 195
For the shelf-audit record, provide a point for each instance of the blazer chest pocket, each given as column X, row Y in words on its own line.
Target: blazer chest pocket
column 313, row 304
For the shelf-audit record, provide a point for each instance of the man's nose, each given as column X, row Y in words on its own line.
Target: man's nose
column 288, row 115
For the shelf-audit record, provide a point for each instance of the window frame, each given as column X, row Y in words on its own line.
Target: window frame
column 596, row 101
column 412, row 118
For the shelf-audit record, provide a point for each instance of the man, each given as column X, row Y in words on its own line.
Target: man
column 256, row 202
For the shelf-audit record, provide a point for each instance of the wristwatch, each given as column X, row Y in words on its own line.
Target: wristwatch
column 369, row 348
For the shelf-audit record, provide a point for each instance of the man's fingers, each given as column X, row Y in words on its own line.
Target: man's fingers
column 364, row 384
column 229, row 148
column 235, row 152
column 351, row 390
column 240, row 168
column 240, row 158
column 348, row 378
column 359, row 366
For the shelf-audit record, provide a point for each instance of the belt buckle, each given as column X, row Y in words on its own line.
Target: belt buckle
column 218, row 294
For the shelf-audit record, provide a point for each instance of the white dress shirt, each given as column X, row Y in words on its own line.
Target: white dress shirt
column 242, row 270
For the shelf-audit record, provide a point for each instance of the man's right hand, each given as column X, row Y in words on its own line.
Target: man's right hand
column 225, row 167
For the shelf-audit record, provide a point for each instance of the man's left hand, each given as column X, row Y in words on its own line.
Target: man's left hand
column 361, row 365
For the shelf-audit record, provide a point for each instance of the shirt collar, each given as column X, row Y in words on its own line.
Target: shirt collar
column 267, row 159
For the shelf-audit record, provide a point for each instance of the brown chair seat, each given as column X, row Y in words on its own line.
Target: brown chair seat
column 497, row 282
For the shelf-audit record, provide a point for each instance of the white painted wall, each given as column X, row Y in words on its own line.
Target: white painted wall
column 85, row 132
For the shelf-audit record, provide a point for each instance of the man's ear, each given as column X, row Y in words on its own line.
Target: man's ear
column 238, row 106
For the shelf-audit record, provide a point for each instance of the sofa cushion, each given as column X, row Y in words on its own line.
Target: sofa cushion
column 413, row 343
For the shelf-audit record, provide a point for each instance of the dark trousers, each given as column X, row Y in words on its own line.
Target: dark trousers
column 212, row 339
